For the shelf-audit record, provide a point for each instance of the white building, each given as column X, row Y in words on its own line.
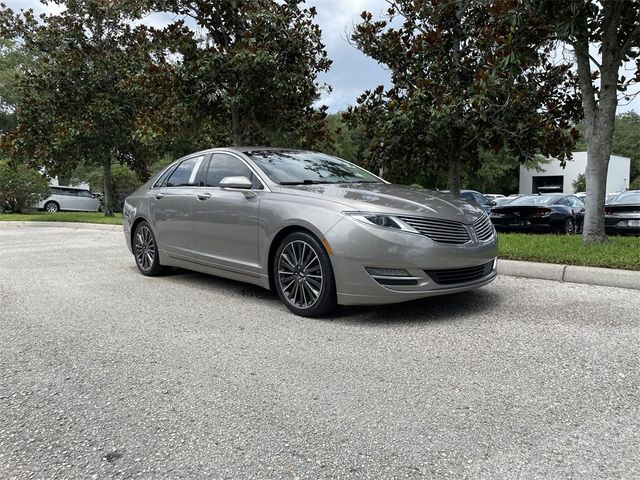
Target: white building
column 553, row 178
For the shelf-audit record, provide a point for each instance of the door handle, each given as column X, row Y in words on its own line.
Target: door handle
column 158, row 196
column 203, row 196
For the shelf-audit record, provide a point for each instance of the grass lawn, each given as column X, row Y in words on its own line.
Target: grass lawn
column 619, row 252
column 82, row 217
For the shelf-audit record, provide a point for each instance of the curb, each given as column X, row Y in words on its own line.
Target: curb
column 76, row 225
column 604, row 277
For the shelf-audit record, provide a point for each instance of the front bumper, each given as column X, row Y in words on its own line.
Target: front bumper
column 357, row 247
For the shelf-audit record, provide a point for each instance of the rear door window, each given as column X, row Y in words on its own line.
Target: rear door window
column 185, row 174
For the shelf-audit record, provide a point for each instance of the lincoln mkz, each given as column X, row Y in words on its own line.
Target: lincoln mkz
column 319, row 230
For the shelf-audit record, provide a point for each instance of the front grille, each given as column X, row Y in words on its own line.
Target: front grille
column 483, row 228
column 441, row 231
column 451, row 276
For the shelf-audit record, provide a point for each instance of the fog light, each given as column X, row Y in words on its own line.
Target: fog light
column 387, row 272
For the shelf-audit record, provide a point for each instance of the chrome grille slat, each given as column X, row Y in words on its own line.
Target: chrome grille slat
column 484, row 228
column 441, row 231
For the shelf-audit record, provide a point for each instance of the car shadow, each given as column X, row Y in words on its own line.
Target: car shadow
column 433, row 309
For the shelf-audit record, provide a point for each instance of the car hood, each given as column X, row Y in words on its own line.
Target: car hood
column 389, row 198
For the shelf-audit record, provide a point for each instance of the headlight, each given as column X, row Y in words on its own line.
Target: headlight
column 381, row 220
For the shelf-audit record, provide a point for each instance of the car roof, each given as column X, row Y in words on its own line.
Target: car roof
column 70, row 188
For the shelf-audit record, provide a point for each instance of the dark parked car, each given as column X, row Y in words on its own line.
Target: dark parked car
column 476, row 198
column 622, row 214
column 555, row 212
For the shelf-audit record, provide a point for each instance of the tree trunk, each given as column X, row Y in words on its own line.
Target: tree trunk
column 236, row 125
column 455, row 162
column 108, row 194
column 599, row 119
column 454, row 173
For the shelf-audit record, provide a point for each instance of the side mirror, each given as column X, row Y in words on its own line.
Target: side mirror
column 493, row 203
column 242, row 183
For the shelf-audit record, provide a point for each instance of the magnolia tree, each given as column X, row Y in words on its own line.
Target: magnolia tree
column 464, row 82
column 96, row 94
column 604, row 36
column 248, row 73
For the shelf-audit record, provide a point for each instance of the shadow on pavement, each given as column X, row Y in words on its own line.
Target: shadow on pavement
column 441, row 308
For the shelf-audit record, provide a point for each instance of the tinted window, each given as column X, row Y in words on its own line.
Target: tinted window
column 628, row 197
column 535, row 200
column 69, row 192
column 85, row 193
column 185, row 174
column 163, row 178
column 576, row 202
column 222, row 165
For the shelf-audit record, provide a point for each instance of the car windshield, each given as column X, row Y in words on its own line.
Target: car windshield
column 535, row 200
column 627, row 197
column 300, row 168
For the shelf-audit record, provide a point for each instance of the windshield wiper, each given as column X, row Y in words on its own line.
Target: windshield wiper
column 363, row 181
column 304, row 182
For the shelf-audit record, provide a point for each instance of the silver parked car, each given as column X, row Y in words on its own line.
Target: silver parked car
column 319, row 230
column 70, row 198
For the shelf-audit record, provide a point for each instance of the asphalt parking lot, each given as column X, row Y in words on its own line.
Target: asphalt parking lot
column 105, row 373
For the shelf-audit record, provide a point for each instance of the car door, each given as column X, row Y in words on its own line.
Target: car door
column 170, row 203
column 86, row 201
column 69, row 199
column 225, row 221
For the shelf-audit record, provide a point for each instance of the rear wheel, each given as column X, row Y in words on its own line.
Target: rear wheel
column 145, row 250
column 303, row 275
column 51, row 207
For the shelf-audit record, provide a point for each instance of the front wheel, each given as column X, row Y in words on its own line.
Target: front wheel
column 145, row 250
column 303, row 275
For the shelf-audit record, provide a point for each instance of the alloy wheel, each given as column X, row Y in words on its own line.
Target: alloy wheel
column 51, row 207
column 145, row 248
column 300, row 274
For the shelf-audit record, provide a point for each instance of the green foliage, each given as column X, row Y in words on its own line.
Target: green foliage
column 124, row 181
column 98, row 94
column 465, row 81
column 20, row 187
column 249, row 75
column 635, row 184
column 14, row 61
column 579, row 184
column 619, row 252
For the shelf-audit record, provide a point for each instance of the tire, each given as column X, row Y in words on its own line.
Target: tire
column 569, row 227
column 303, row 275
column 51, row 207
column 145, row 250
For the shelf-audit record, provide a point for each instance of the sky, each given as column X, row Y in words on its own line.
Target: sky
column 352, row 72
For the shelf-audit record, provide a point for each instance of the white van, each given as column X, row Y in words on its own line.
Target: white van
column 70, row 198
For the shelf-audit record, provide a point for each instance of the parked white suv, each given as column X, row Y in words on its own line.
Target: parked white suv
column 70, row 198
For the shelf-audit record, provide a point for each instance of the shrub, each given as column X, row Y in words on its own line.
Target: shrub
column 21, row 187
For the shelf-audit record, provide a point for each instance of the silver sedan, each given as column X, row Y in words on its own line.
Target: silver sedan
column 319, row 230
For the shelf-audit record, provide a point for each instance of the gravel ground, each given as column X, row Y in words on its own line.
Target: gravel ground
column 105, row 373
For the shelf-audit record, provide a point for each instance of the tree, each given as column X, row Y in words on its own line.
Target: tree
column 613, row 26
column 579, row 184
column 98, row 92
column 464, row 82
column 250, row 76
column 14, row 61
column 21, row 187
